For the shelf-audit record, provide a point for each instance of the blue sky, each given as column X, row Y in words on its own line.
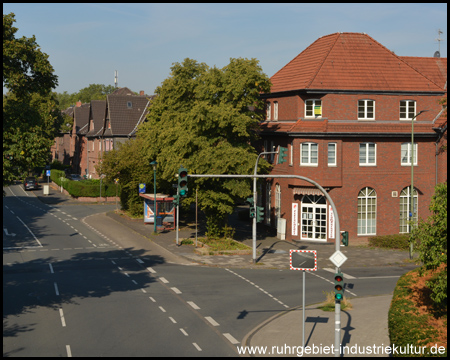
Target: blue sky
column 86, row 43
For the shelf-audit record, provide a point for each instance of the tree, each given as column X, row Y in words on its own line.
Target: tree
column 204, row 119
column 85, row 95
column 30, row 117
column 430, row 238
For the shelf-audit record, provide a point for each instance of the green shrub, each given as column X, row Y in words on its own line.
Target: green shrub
column 396, row 241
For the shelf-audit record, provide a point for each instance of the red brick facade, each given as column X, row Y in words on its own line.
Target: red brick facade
column 382, row 169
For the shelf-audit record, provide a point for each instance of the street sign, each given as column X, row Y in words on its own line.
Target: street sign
column 338, row 258
column 47, row 172
column 303, row 260
column 142, row 188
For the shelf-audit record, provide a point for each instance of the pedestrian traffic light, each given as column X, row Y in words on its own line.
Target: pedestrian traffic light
column 176, row 200
column 338, row 286
column 282, row 155
column 182, row 181
column 259, row 214
column 344, row 238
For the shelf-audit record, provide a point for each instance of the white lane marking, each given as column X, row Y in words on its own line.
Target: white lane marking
column 51, row 268
column 175, row 290
column 139, row 261
column 162, row 309
column 69, row 352
column 56, row 289
column 212, row 321
column 378, row 277
column 197, row 347
column 231, row 339
column 61, row 314
column 35, row 238
column 143, row 290
column 184, row 332
column 172, row 319
column 151, row 270
column 193, row 305
column 134, row 282
column 152, row 299
column 164, row 280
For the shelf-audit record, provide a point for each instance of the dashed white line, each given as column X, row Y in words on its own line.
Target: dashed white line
column 172, row 319
column 197, row 347
column 231, row 339
column 134, row 282
column 56, row 289
column 152, row 299
column 193, row 305
column 51, row 268
column 61, row 314
column 69, row 352
column 184, row 332
column 151, row 270
column 139, row 261
column 175, row 290
column 162, row 309
column 164, row 280
column 212, row 321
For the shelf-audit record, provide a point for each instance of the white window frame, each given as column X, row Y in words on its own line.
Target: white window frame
column 333, row 153
column 99, row 145
column 291, row 154
column 268, row 112
column 366, row 153
column 409, row 114
column 308, row 147
column 277, row 203
column 275, row 111
column 312, row 103
column 405, row 154
column 367, row 212
column 364, row 104
column 268, row 203
column 405, row 207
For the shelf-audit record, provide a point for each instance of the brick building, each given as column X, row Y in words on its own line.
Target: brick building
column 344, row 109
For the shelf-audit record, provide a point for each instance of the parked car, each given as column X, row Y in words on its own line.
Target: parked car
column 30, row 183
column 74, row 177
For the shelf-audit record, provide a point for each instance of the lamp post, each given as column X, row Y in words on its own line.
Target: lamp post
column 411, row 204
column 154, row 163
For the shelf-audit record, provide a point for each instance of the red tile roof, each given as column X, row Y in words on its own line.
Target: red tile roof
column 351, row 61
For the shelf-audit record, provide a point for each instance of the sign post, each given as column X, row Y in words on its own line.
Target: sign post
column 304, row 260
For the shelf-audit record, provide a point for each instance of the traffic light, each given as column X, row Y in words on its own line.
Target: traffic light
column 338, row 286
column 282, row 155
column 182, row 181
column 344, row 238
column 259, row 214
column 251, row 202
column 176, row 200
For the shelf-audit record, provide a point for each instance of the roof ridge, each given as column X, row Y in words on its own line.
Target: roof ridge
column 324, row 58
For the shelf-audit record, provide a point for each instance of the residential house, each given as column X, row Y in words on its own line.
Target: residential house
column 345, row 108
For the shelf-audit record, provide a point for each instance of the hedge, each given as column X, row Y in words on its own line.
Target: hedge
column 396, row 241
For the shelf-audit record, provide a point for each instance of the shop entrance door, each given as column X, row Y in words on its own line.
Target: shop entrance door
column 314, row 218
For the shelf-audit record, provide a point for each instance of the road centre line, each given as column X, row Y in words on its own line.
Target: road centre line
column 164, row 280
column 35, row 238
column 197, row 347
column 56, row 289
column 61, row 314
column 194, row 306
column 69, row 352
column 230, row 338
column 184, row 332
column 151, row 270
column 212, row 321
column 51, row 268
column 175, row 290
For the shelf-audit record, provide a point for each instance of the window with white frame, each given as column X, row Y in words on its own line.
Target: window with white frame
column 309, row 154
column 366, row 110
column 275, row 111
column 268, row 203
column 277, row 203
column 405, row 209
column 367, row 154
column 332, row 154
column 99, row 145
column 367, row 212
column 313, row 108
column 268, row 111
column 291, row 154
column 406, row 154
column 407, row 109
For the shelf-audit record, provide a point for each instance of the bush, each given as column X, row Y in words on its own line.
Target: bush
column 396, row 241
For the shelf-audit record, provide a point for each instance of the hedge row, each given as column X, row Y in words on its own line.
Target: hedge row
column 83, row 188
column 396, row 241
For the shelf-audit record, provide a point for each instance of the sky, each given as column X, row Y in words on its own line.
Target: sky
column 87, row 43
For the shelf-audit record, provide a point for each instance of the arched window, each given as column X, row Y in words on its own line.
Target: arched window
column 405, row 209
column 367, row 212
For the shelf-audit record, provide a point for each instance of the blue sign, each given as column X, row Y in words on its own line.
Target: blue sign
column 47, row 173
column 141, row 188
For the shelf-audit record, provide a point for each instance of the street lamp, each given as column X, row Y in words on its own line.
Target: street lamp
column 154, row 163
column 411, row 204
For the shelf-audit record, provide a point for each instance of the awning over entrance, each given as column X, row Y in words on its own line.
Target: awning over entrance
column 307, row 191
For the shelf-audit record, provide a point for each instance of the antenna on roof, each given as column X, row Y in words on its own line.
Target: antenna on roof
column 115, row 80
column 439, row 41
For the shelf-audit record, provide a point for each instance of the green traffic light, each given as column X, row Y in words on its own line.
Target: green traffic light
column 182, row 192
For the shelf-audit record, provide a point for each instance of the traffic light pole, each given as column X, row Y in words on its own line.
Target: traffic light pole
column 178, row 215
column 337, row 304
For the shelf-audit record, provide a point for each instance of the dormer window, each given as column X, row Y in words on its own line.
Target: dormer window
column 129, row 105
column 313, row 108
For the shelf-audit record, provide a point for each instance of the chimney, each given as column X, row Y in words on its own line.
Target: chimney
column 78, row 103
column 141, row 93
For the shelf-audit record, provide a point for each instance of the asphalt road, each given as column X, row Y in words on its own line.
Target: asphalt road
column 76, row 283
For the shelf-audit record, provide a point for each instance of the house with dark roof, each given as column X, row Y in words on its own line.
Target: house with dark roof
column 346, row 108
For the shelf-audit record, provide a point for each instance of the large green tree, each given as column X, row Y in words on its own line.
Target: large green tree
column 85, row 95
column 206, row 120
column 30, row 116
